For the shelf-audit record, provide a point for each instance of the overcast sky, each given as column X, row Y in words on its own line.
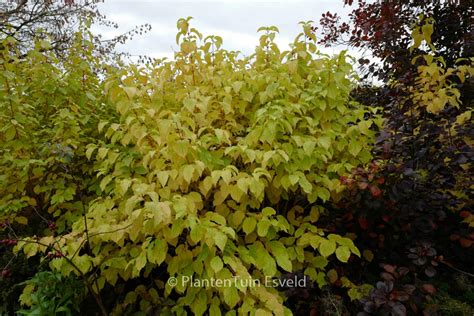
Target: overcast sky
column 236, row 21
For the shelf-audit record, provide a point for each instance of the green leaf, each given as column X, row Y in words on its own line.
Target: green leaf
column 323, row 193
column 10, row 133
column 214, row 309
column 249, row 225
column 156, row 251
column 162, row 177
column 268, row 211
column 21, row 220
column 124, row 185
column 83, row 263
column 332, row 275
column 355, row 148
column 199, row 306
column 293, row 179
column 368, row 255
column 220, row 239
column 320, row 262
column 231, row 296
column 343, row 253
column 262, row 227
column 188, row 171
column 324, row 141
column 130, row 91
column 238, row 217
column 89, row 151
column 305, row 185
column 263, row 312
column 281, row 255
column 101, row 125
column 237, row 86
column 216, row 264
column 327, row 247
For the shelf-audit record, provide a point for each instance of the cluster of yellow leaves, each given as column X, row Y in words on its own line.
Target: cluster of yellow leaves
column 49, row 111
column 434, row 88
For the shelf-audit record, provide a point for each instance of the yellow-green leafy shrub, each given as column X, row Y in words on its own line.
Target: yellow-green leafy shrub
column 218, row 167
column 49, row 111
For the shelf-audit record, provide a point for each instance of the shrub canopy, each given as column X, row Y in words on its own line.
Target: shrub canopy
column 207, row 166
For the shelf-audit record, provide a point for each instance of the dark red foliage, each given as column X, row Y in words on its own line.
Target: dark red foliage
column 407, row 209
column 383, row 27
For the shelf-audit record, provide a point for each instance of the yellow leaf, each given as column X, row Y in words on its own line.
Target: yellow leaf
column 21, row 220
column 368, row 255
column 124, row 185
column 343, row 253
column 249, row 225
column 205, row 185
column 188, row 172
column 130, row 91
column 327, row 247
column 243, row 184
column 162, row 177
column 236, row 193
column 238, row 217
column 332, row 275
column 292, row 66
column 216, row 264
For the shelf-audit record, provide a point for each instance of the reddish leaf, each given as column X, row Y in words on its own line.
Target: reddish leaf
column 409, row 288
column 403, row 271
column 376, row 192
column 389, row 268
column 363, row 223
column 466, row 243
column 454, row 237
column 387, row 276
column 429, row 288
column 348, row 217
column 430, row 272
column 6, row 273
column 363, row 185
